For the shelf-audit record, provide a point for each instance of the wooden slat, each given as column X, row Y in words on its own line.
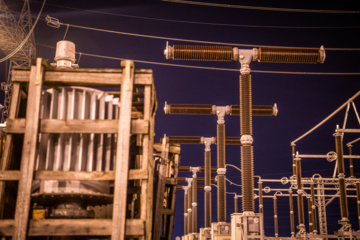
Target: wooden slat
column 85, row 77
column 74, row 227
column 123, row 152
column 167, row 211
column 9, row 175
column 29, row 150
column 17, row 126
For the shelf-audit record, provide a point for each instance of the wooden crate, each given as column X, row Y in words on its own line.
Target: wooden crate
column 137, row 110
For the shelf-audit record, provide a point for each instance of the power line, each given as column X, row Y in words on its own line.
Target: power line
column 203, row 23
column 263, row 8
column 206, row 68
column 49, row 21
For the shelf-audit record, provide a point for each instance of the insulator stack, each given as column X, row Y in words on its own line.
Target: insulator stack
column 186, row 215
column 291, row 55
column 292, row 218
column 190, row 209
column 194, row 204
column 232, row 140
column 235, row 204
column 261, row 203
column 247, row 178
column 189, row 109
column 293, row 159
column 204, row 53
column 256, row 110
column 358, row 200
column 300, row 193
column 245, row 105
column 220, row 141
column 313, row 208
column 351, row 164
column 310, row 218
column 341, row 176
column 221, row 198
column 184, row 140
column 207, row 192
column 276, row 222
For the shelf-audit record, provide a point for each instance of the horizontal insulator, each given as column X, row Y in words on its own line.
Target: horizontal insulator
column 205, row 53
column 184, row 140
column 232, row 141
column 291, row 55
column 256, row 110
column 189, row 109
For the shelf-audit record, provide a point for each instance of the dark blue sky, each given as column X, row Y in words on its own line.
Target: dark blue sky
column 302, row 100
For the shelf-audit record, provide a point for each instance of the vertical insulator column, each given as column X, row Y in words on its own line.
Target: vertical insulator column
column 221, row 170
column 261, row 204
column 311, row 226
column 235, row 203
column 247, row 165
column 292, row 218
column 358, row 200
column 207, row 184
column 276, row 223
column 341, row 177
column 194, row 200
column 300, row 195
column 313, row 209
column 189, row 206
column 351, row 165
column 186, row 215
column 293, row 158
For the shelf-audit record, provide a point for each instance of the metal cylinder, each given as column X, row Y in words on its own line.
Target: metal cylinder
column 204, row 53
column 341, row 176
column 300, row 192
column 276, row 223
column 194, row 204
column 351, row 164
column 291, row 55
column 184, row 140
column 189, row 210
column 65, row 54
column 292, row 217
column 261, row 203
column 310, row 218
column 186, row 215
column 189, row 109
column 257, row 110
column 313, row 209
column 207, row 156
column 235, row 204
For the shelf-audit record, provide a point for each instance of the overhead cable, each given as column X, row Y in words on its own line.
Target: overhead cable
column 181, row 39
column 202, row 23
column 263, row 8
column 207, row 68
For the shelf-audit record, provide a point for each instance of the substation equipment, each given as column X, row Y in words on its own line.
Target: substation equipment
column 78, row 161
column 247, row 224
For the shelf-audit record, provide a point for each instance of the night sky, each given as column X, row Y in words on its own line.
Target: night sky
column 303, row 100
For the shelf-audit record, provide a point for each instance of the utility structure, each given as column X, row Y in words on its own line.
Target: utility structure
column 13, row 31
column 245, row 56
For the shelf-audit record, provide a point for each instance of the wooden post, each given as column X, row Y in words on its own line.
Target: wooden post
column 29, row 150
column 5, row 158
column 123, row 152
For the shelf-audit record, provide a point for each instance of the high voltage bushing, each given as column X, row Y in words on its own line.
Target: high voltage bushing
column 208, row 109
column 263, row 54
column 200, row 140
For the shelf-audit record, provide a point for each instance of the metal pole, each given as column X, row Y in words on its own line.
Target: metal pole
column 300, row 195
column 261, row 206
column 292, row 218
column 276, row 224
column 313, row 209
column 309, row 203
